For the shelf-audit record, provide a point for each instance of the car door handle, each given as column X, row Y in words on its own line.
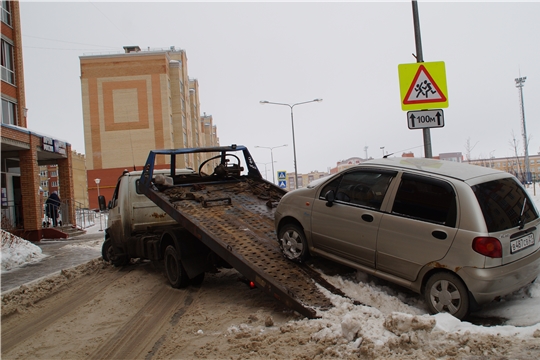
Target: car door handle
column 367, row 217
column 441, row 235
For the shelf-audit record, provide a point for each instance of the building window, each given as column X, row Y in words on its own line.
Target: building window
column 8, row 71
column 6, row 13
column 9, row 111
column 54, row 183
column 44, row 183
column 54, row 174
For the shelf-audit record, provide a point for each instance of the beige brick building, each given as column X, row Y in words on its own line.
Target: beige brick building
column 513, row 165
column 134, row 102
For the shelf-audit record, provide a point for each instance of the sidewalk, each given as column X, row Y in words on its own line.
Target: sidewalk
column 61, row 254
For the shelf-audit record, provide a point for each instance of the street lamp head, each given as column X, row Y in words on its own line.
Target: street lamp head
column 263, row 102
column 97, row 181
column 318, row 100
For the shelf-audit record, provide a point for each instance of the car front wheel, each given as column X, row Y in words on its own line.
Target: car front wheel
column 292, row 242
column 445, row 292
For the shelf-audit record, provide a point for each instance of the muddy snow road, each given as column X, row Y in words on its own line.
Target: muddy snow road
column 96, row 311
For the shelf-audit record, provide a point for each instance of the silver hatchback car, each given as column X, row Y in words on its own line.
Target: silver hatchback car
column 460, row 234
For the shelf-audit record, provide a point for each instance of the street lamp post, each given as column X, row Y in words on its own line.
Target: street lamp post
column 519, row 84
column 265, row 170
column 99, row 207
column 291, row 106
column 271, row 158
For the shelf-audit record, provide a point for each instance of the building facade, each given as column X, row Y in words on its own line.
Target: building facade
column 23, row 151
column 134, row 102
column 513, row 165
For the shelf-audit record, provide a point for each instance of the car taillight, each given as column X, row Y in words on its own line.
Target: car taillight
column 487, row 246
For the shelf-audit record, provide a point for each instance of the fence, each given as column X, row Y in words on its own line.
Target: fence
column 12, row 215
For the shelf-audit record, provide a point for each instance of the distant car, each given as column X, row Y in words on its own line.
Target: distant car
column 460, row 234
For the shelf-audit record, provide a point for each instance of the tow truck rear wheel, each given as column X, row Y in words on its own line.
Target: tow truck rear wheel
column 197, row 280
column 173, row 268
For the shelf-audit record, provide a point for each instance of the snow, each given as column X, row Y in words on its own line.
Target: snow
column 17, row 252
column 386, row 312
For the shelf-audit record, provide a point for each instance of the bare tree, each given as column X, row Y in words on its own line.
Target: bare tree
column 469, row 148
column 514, row 144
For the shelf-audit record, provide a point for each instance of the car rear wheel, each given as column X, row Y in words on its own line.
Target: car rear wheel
column 445, row 292
column 292, row 242
column 173, row 268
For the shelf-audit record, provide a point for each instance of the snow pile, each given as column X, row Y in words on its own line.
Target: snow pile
column 93, row 245
column 17, row 251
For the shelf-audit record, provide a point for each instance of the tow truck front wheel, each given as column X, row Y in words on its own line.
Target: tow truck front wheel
column 173, row 267
column 110, row 256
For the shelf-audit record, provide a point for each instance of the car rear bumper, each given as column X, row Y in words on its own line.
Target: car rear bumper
column 487, row 284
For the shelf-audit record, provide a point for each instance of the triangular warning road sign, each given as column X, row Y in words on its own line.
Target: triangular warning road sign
column 423, row 89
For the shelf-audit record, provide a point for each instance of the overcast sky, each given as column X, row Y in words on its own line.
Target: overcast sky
column 345, row 53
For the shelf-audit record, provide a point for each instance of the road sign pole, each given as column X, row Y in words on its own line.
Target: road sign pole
column 419, row 59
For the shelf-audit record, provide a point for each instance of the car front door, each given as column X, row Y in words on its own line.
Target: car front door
column 420, row 227
column 348, row 227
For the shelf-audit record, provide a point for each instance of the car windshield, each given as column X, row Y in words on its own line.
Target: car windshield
column 504, row 204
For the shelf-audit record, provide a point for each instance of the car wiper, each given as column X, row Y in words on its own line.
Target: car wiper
column 521, row 223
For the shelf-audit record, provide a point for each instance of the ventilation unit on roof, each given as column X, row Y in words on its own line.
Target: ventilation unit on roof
column 129, row 49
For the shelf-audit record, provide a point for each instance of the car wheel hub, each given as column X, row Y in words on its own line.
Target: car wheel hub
column 292, row 248
column 445, row 297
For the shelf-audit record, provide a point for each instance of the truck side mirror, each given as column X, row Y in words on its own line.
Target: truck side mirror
column 102, row 203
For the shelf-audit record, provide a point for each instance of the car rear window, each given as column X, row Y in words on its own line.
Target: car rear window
column 502, row 202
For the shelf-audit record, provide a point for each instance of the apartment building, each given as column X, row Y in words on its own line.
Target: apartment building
column 133, row 102
column 24, row 150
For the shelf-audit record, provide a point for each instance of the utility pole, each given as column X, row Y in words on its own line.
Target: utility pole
column 419, row 59
column 520, row 81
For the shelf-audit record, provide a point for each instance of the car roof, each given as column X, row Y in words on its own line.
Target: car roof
column 457, row 170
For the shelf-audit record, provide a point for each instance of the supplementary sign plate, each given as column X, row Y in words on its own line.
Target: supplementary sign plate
column 425, row 119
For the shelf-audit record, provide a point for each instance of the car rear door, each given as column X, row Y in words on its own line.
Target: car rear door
column 419, row 228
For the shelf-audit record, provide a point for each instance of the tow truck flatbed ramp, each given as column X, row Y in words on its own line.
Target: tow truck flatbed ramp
column 234, row 217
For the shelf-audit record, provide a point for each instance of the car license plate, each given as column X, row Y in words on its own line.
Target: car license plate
column 521, row 243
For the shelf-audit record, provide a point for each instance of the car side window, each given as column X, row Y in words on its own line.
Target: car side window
column 332, row 185
column 426, row 199
column 362, row 187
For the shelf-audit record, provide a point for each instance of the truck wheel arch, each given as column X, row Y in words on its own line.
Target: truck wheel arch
column 193, row 254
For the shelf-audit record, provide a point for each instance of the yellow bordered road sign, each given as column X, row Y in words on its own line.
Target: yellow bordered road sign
column 423, row 85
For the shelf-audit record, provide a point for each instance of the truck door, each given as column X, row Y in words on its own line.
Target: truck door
column 115, row 228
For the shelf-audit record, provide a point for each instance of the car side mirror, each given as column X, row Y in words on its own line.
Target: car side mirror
column 330, row 198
